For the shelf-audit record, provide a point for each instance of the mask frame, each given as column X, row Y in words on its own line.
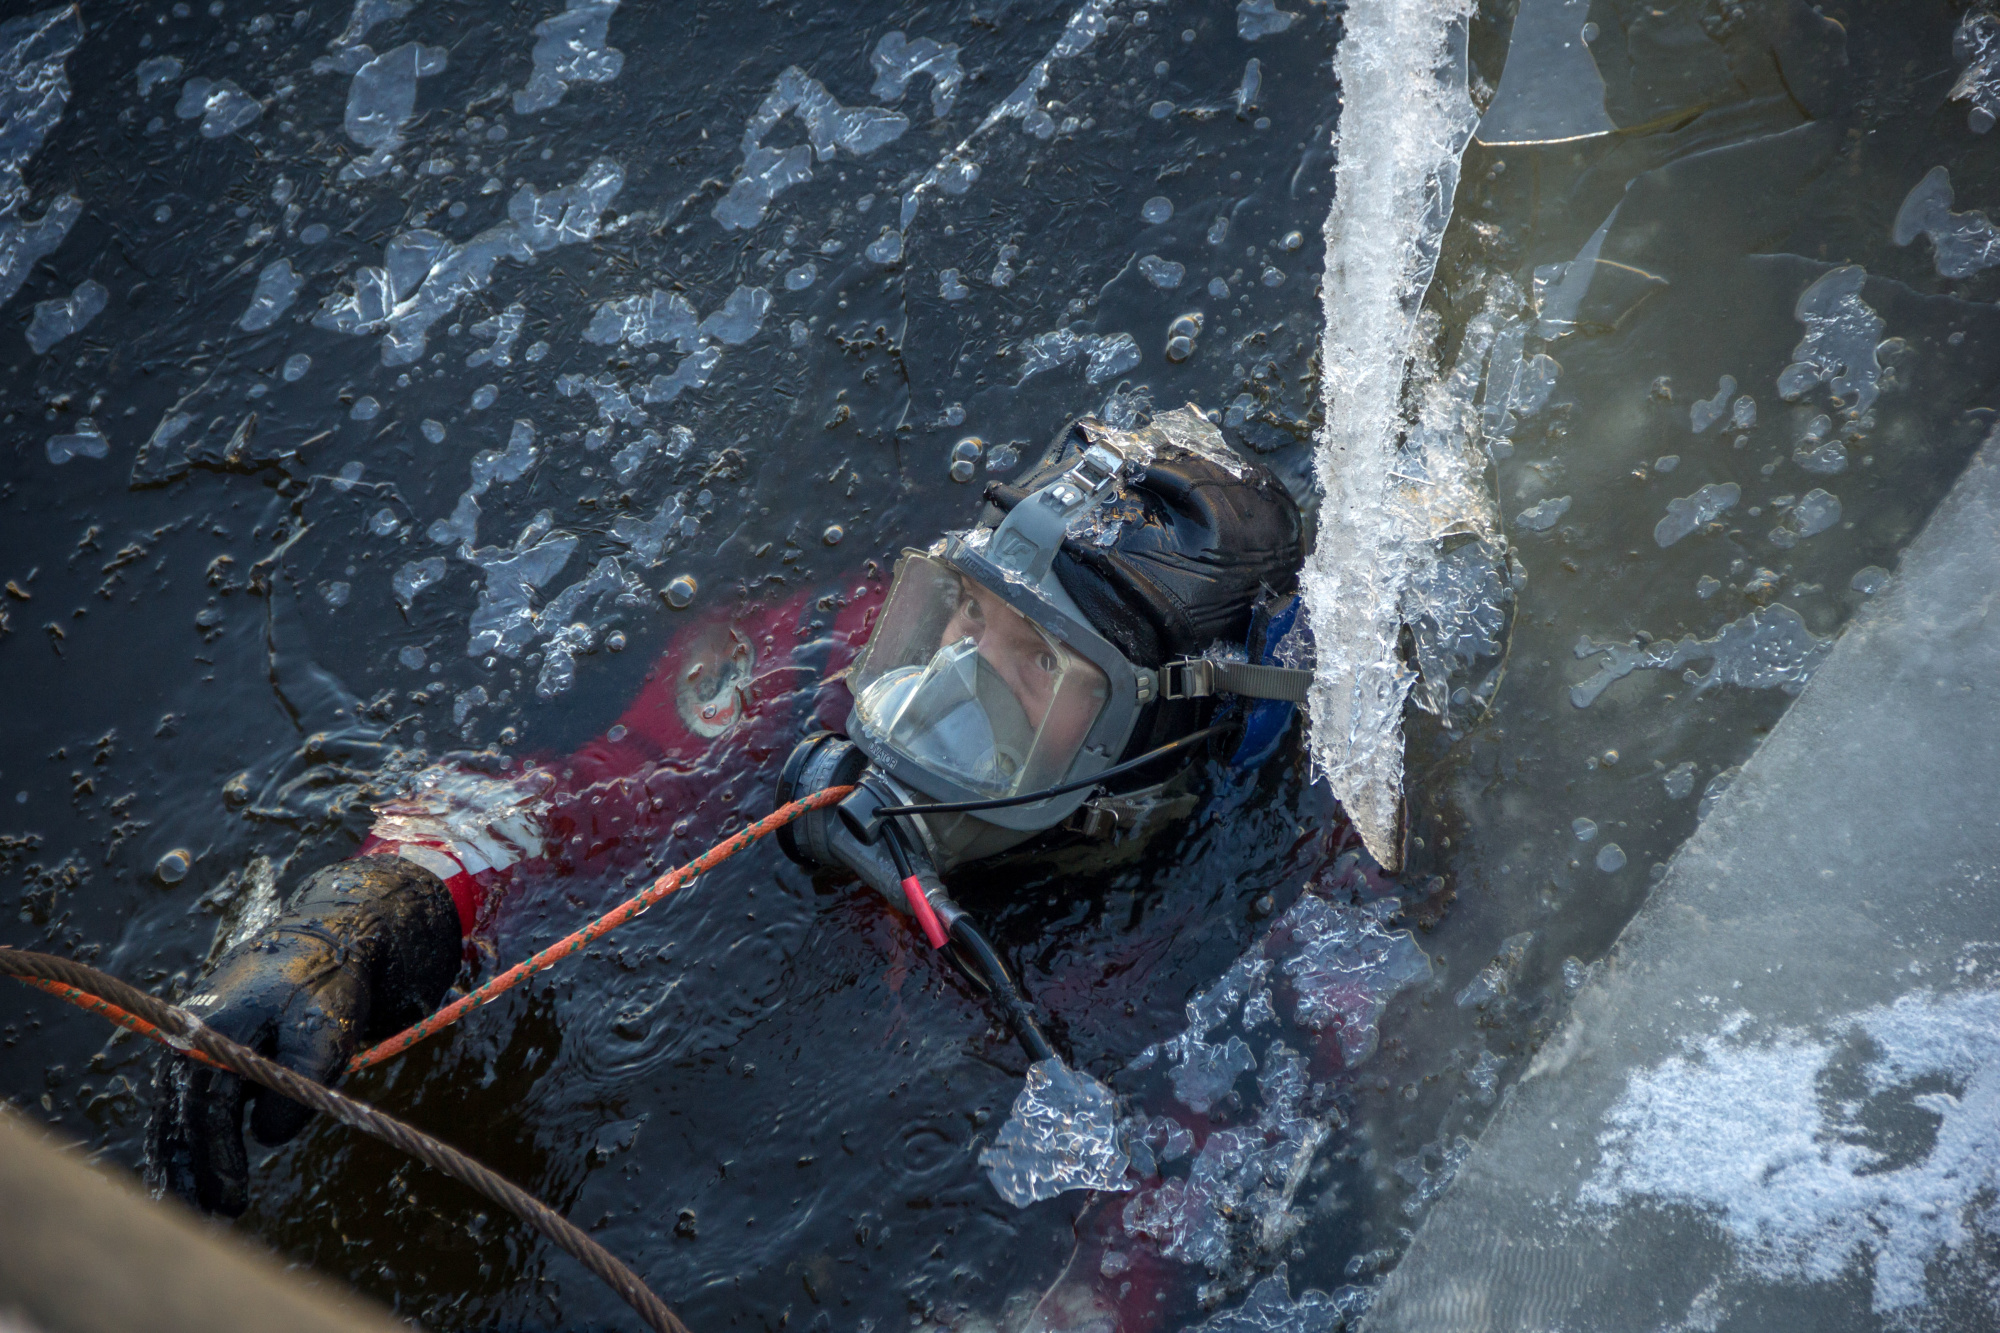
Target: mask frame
column 1015, row 563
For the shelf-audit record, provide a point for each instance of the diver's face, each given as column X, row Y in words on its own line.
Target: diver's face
column 1010, row 645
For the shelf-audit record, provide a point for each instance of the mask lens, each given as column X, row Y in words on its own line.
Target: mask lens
column 961, row 683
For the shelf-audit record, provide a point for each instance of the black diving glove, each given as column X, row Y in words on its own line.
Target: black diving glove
column 364, row 949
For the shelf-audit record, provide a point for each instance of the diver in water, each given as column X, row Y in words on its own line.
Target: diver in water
column 1041, row 680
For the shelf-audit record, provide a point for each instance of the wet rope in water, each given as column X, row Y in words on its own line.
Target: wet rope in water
column 596, row 930
column 133, row 1009
column 149, row 1016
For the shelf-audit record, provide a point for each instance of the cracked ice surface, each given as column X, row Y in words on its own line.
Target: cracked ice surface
column 1406, row 118
column 1746, row 1128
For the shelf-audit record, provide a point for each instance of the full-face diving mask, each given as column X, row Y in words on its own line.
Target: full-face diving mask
column 983, row 680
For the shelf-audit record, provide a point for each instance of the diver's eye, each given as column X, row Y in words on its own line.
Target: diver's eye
column 970, row 609
column 1047, row 662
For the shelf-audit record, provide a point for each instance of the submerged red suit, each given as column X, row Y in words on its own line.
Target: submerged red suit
column 729, row 696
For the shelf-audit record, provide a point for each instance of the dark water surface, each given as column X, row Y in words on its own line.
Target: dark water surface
column 230, row 636
column 764, row 1097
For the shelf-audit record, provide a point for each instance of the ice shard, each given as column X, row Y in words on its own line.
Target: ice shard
column 1405, row 120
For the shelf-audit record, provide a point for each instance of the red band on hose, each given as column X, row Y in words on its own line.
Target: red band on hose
column 920, row 907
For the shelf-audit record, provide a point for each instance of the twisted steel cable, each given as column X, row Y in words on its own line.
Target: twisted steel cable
column 134, row 1009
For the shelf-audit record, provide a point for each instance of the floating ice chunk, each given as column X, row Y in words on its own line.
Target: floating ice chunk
column 504, row 329
column 1815, row 512
column 802, row 277
column 381, row 101
column 365, row 409
column 614, row 403
column 1584, row 829
column 1405, row 119
column 1085, row 26
column 414, row 577
column 1498, row 976
column 1976, row 44
column 651, row 538
column 1693, row 512
column 1961, row 243
column 1770, row 648
column 485, row 396
column 949, row 286
column 1842, row 333
column 886, row 248
column 1156, row 210
column 1550, row 90
column 24, row 244
column 740, row 317
column 1104, row 355
column 1162, row 273
column 640, row 321
column 277, row 286
column 1207, row 1072
column 572, row 47
column 1062, row 1135
column 1257, row 19
column 1707, row 411
column 56, row 320
column 691, row 373
column 86, row 442
column 1346, row 970
column 1816, row 450
column 1743, row 413
column 363, row 17
column 898, row 60
column 567, row 635
column 1679, row 781
column 156, row 71
column 1666, row 462
column 1544, row 515
column 424, row 277
column 384, row 522
column 509, row 464
column 503, row 622
column 296, row 366
column 627, row 461
column 830, row 127
column 1610, row 858
column 1803, row 1181
column 34, row 90
column 222, row 106
column 1252, row 85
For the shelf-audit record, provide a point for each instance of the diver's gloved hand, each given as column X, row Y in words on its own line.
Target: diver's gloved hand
column 364, row 949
